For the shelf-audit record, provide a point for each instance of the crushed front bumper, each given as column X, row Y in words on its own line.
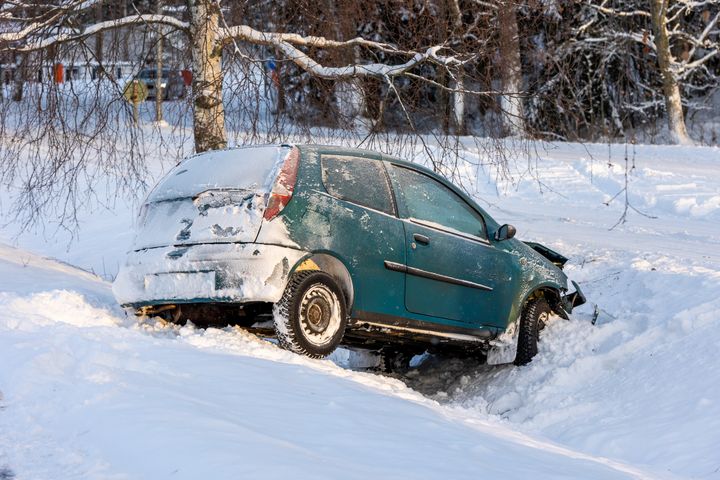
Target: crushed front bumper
column 238, row 273
column 574, row 299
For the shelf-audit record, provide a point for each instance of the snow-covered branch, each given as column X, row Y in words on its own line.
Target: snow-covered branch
column 243, row 32
column 288, row 44
column 64, row 37
column 685, row 68
column 700, row 40
column 618, row 13
column 46, row 15
column 363, row 70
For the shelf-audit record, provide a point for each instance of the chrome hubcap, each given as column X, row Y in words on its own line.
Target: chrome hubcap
column 318, row 314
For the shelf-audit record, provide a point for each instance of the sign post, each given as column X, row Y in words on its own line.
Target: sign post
column 135, row 92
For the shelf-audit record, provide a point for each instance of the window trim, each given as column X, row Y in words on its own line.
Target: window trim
column 438, row 226
column 393, row 203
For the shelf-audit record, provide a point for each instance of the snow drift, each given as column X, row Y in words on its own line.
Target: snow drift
column 88, row 393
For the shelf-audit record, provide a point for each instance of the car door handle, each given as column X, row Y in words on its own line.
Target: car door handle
column 421, row 238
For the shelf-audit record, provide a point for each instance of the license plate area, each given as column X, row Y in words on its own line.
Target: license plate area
column 180, row 284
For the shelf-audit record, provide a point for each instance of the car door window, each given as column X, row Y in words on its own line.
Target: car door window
column 433, row 204
column 358, row 180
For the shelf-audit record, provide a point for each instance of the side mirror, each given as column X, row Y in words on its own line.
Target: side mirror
column 505, row 232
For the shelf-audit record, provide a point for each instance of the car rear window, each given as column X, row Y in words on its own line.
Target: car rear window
column 251, row 169
column 358, row 180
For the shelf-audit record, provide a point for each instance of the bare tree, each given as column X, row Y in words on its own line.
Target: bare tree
column 456, row 19
column 159, row 94
column 671, row 89
column 59, row 125
column 510, row 69
column 360, row 73
column 208, row 34
column 618, row 37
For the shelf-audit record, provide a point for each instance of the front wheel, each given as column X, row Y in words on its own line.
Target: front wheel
column 311, row 316
column 533, row 319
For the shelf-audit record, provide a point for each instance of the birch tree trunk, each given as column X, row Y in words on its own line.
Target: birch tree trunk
column 19, row 78
column 208, row 110
column 671, row 89
column 510, row 70
column 159, row 94
column 458, row 102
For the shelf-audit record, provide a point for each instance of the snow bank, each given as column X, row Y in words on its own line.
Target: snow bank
column 643, row 385
column 158, row 401
column 636, row 395
column 45, row 308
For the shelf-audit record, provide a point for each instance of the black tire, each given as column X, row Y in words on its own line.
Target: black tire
column 532, row 321
column 311, row 316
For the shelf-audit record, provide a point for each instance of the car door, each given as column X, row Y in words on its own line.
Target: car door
column 452, row 269
column 363, row 230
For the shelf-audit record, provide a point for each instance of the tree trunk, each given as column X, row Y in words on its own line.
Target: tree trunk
column 99, row 37
column 159, row 94
column 458, row 95
column 459, row 104
column 671, row 89
column 444, row 103
column 208, row 111
column 19, row 80
column 348, row 93
column 510, row 70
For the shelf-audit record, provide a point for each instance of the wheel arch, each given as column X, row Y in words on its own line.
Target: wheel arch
column 551, row 292
column 333, row 266
column 504, row 348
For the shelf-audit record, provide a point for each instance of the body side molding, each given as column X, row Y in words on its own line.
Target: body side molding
column 399, row 267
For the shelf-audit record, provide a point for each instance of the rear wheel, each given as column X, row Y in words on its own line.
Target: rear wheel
column 533, row 319
column 311, row 316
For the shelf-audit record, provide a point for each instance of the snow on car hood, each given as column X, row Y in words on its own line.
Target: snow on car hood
column 216, row 197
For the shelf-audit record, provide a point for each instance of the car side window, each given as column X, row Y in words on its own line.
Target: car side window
column 429, row 201
column 358, row 180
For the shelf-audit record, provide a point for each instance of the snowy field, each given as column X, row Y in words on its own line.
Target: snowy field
column 87, row 393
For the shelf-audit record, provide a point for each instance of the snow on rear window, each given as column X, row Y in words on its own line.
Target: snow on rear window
column 241, row 168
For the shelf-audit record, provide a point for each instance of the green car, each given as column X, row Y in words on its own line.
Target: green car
column 326, row 246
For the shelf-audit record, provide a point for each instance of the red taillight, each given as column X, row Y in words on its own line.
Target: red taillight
column 282, row 190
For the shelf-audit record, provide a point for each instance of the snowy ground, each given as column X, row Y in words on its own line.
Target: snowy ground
column 86, row 393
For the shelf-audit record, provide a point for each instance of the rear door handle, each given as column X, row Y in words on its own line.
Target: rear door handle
column 421, row 238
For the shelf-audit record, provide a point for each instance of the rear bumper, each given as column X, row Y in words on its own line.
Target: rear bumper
column 237, row 273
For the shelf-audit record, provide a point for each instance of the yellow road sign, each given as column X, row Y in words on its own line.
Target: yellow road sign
column 135, row 92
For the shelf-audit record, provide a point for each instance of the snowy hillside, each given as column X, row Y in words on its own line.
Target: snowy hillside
column 88, row 393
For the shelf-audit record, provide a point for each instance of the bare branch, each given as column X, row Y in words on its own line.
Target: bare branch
column 287, row 44
column 685, row 68
column 96, row 28
column 243, row 32
column 711, row 24
column 617, row 13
